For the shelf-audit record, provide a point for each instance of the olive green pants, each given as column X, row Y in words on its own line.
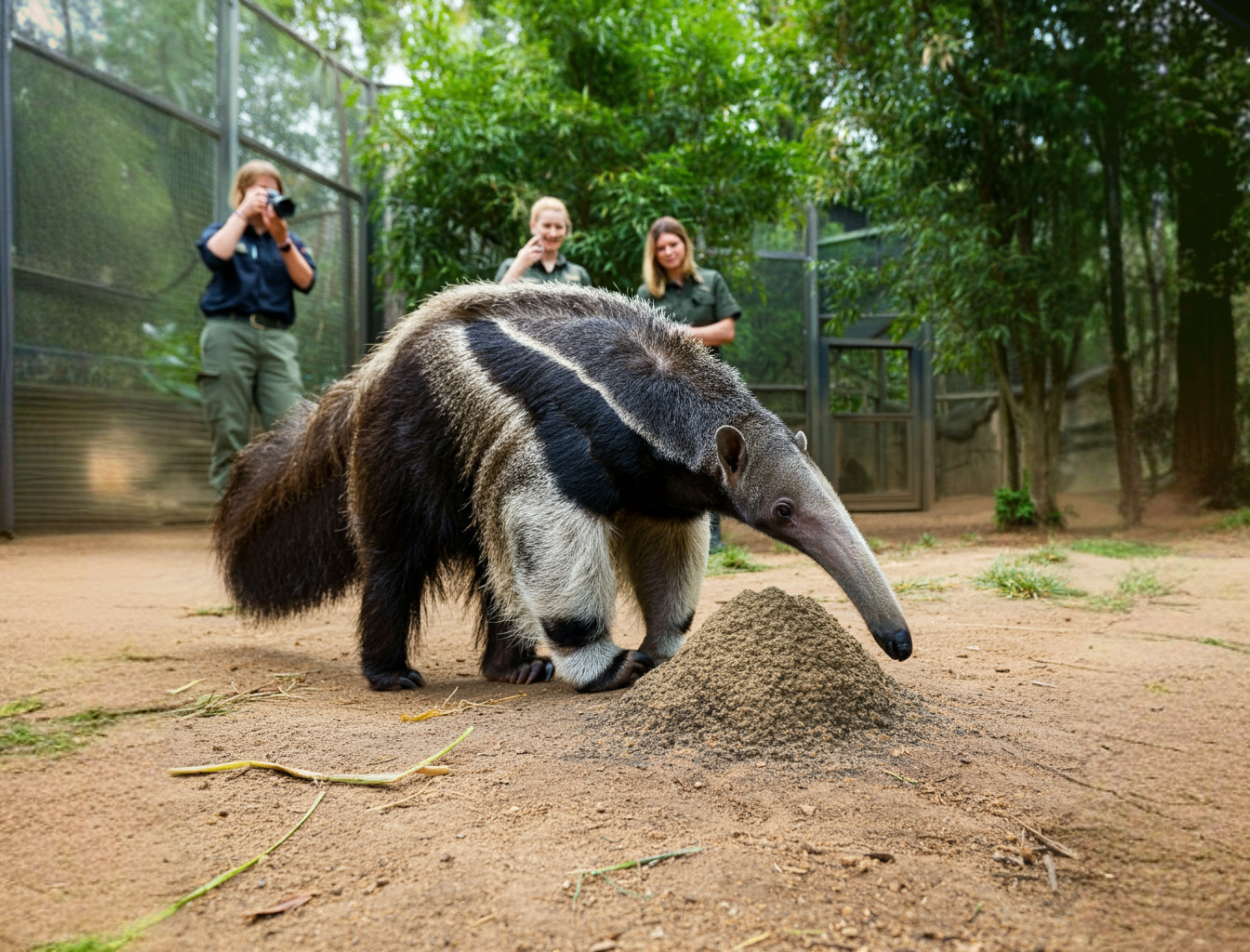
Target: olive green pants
column 242, row 366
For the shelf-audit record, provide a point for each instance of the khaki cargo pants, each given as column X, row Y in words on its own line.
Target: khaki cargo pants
column 242, row 366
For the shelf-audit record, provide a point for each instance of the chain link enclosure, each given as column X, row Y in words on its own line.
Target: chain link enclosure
column 116, row 127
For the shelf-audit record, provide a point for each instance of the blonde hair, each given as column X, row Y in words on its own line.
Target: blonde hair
column 654, row 276
column 549, row 204
column 247, row 175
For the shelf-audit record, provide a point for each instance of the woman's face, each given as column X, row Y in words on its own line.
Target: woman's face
column 550, row 227
column 670, row 251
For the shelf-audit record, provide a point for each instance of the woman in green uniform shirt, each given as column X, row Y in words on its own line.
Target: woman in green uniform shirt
column 539, row 259
column 694, row 296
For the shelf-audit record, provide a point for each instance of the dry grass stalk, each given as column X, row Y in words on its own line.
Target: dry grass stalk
column 443, row 710
column 367, row 780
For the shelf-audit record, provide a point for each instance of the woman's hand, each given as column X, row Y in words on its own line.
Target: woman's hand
column 255, row 201
column 530, row 254
column 274, row 223
column 713, row 335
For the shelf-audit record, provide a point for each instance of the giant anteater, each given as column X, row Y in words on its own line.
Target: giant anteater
column 532, row 443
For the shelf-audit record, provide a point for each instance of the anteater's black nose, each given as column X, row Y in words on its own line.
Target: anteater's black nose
column 897, row 644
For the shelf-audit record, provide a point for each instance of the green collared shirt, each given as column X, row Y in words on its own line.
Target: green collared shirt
column 565, row 272
column 697, row 303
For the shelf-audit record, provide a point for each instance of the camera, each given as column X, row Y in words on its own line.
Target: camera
column 283, row 207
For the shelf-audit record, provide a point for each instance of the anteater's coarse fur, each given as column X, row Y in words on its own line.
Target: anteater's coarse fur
column 530, row 442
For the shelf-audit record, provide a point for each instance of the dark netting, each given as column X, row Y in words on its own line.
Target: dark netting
column 326, row 221
column 291, row 99
column 111, row 196
column 164, row 47
column 873, row 458
column 768, row 347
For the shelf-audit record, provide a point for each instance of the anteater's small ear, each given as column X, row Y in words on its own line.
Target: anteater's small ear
column 731, row 446
column 800, row 441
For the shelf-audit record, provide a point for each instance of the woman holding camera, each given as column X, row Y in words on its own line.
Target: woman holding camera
column 539, row 260
column 247, row 352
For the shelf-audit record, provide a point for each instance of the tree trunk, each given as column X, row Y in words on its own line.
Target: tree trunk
column 1206, row 356
column 1120, row 380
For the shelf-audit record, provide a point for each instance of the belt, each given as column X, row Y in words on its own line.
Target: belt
column 259, row 321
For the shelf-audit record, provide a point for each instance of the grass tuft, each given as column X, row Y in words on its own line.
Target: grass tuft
column 1143, row 584
column 877, row 545
column 927, row 541
column 1234, row 520
column 970, row 538
column 1119, row 548
column 732, row 559
column 21, row 705
column 782, row 549
column 1013, row 578
column 1109, row 603
column 924, row 587
column 1048, row 554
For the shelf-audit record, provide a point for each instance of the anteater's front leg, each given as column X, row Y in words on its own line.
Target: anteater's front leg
column 565, row 590
column 666, row 560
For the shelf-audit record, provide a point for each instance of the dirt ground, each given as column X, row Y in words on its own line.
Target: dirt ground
column 1120, row 735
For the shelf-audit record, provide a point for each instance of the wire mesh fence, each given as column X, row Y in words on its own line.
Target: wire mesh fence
column 117, row 122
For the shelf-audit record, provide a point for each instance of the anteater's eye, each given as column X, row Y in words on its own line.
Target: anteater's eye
column 782, row 510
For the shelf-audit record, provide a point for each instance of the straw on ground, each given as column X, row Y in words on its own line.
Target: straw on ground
column 445, row 709
column 628, row 864
column 367, row 780
column 132, row 932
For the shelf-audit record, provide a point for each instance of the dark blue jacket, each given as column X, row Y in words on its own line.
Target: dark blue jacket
column 254, row 280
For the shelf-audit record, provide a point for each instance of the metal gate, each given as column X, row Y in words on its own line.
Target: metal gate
column 873, row 442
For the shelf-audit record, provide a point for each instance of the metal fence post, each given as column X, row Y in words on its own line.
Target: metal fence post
column 227, row 101
column 811, row 315
column 7, row 305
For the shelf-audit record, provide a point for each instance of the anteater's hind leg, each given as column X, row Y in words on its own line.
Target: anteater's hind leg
column 563, row 590
column 509, row 655
column 390, row 607
column 665, row 560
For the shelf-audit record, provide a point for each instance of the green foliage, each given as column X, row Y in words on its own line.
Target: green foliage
column 927, row 541
column 21, row 705
column 1234, row 520
column 1119, row 548
column 604, row 105
column 1014, row 578
column 1013, row 508
column 1144, row 584
column 732, row 559
column 877, row 545
column 172, row 354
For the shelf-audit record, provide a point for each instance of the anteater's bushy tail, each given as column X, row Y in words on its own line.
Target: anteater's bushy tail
column 281, row 533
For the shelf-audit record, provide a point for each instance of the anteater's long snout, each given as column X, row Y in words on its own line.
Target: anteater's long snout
column 842, row 552
column 896, row 644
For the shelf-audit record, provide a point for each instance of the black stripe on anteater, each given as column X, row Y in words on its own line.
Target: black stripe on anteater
column 597, row 461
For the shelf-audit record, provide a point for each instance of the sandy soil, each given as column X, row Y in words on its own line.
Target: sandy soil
column 1118, row 734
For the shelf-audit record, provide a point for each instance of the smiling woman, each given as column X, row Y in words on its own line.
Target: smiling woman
column 539, row 259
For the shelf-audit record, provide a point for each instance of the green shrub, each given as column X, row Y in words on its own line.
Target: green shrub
column 1013, row 508
column 731, row 559
column 1234, row 520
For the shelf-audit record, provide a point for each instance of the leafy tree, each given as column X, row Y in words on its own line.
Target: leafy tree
column 626, row 110
column 1209, row 88
column 953, row 121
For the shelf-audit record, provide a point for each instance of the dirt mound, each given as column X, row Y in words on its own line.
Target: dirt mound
column 767, row 673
